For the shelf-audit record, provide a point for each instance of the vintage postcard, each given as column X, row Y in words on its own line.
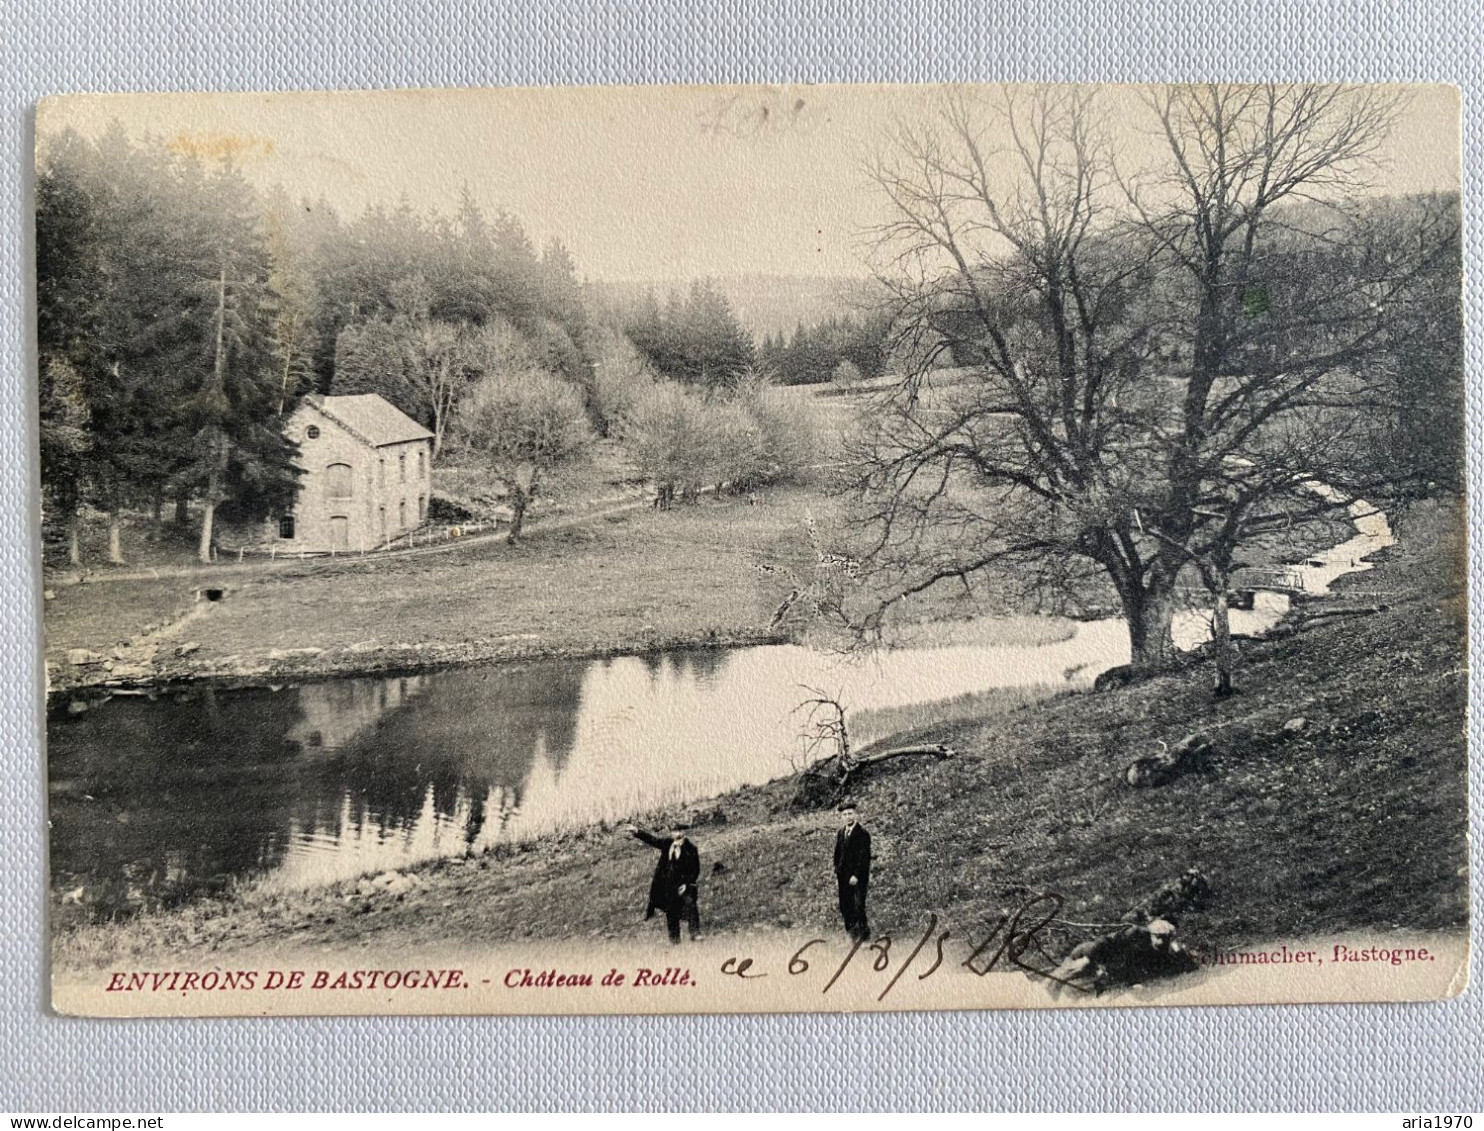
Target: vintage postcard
column 650, row 550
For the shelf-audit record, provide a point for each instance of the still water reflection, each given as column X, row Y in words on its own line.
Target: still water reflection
column 154, row 802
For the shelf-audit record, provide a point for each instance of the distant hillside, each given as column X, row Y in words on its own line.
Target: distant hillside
column 764, row 304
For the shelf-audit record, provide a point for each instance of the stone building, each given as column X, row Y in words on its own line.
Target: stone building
column 368, row 474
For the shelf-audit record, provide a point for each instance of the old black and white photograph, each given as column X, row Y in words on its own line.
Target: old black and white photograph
column 752, row 549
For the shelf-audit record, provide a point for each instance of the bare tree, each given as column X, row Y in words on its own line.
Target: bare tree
column 292, row 283
column 667, row 429
column 828, row 758
column 824, row 733
column 522, row 427
column 1126, row 375
column 621, row 376
column 433, row 355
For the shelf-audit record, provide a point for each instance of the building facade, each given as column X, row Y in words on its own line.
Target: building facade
column 367, row 475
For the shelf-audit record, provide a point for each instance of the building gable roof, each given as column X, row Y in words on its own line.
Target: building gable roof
column 371, row 418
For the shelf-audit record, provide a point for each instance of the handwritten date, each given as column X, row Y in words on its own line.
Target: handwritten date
column 1013, row 941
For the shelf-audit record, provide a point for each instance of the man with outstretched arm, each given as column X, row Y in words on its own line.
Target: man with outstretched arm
column 676, row 873
column 853, row 871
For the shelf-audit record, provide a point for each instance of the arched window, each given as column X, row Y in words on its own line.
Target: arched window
column 402, row 515
column 422, row 508
column 312, row 432
column 422, row 470
column 286, row 526
column 402, row 468
column 337, row 481
column 381, row 472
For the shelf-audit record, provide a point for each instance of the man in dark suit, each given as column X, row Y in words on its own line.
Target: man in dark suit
column 673, row 888
column 853, row 871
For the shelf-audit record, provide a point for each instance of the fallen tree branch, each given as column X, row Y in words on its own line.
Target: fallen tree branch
column 1085, row 926
column 828, row 779
column 933, row 750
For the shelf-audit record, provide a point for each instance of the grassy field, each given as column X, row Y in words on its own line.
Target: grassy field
column 635, row 579
column 624, row 579
column 1354, row 820
column 600, row 573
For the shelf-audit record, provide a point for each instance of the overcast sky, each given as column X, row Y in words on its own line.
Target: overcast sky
column 642, row 183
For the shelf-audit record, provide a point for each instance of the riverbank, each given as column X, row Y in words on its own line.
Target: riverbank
column 620, row 581
column 1333, row 801
column 628, row 581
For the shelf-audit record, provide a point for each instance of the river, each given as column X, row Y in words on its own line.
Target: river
column 156, row 802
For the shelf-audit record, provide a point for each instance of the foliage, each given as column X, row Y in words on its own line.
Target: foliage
column 182, row 314
column 846, row 375
column 521, row 427
column 157, row 289
column 472, row 271
column 66, row 442
column 815, row 353
column 694, row 339
column 790, row 438
column 1420, row 445
column 292, row 281
column 621, row 376
column 683, row 441
column 666, row 431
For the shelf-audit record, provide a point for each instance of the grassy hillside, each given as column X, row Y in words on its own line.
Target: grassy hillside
column 628, row 580
column 1353, row 820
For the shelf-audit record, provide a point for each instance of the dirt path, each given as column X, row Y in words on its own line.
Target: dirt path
column 618, row 578
column 58, row 577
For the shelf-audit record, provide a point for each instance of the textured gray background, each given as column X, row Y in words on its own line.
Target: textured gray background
column 1425, row 1057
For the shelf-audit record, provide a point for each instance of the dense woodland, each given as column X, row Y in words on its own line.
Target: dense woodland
column 183, row 313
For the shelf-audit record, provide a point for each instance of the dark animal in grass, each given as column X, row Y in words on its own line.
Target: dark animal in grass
column 1187, row 755
column 1129, row 956
column 1145, row 948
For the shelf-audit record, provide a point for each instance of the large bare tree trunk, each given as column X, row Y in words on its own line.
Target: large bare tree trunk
column 1150, row 614
column 182, row 511
column 213, row 497
column 115, row 540
column 1221, row 634
column 1217, row 579
column 440, row 422
column 208, row 518
column 283, row 387
column 518, row 503
column 219, row 453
